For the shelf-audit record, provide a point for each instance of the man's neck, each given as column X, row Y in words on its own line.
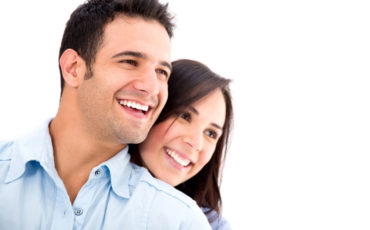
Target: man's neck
column 77, row 152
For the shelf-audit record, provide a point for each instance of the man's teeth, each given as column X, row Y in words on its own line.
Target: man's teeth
column 177, row 158
column 134, row 105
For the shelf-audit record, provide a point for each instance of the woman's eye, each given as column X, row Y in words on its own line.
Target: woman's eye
column 212, row 134
column 186, row 116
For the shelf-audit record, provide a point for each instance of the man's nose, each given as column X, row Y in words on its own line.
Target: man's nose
column 148, row 82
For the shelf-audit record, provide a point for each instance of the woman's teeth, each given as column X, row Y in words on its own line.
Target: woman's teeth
column 177, row 158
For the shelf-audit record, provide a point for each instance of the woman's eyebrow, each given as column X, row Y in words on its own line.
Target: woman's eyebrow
column 194, row 110
column 191, row 108
column 216, row 126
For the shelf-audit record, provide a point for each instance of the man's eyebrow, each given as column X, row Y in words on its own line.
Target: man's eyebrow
column 140, row 55
column 168, row 65
column 197, row 113
column 129, row 53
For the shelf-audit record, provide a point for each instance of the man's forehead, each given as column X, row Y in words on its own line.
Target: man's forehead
column 147, row 37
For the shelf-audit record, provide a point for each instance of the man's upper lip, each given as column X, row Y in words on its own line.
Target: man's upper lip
column 150, row 105
column 184, row 156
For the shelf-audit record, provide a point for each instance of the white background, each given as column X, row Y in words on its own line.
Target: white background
column 299, row 157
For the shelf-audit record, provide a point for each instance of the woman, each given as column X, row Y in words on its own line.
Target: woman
column 187, row 144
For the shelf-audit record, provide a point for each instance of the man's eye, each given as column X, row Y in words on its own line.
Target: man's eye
column 129, row 61
column 163, row 72
column 212, row 134
column 185, row 116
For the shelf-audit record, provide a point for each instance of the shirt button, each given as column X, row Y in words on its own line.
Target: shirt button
column 78, row 211
column 97, row 172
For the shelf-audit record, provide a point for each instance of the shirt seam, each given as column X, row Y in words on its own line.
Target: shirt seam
column 150, row 210
column 183, row 201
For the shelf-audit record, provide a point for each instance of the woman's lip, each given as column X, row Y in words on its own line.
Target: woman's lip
column 175, row 164
column 183, row 156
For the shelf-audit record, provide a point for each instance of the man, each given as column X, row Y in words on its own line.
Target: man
column 74, row 172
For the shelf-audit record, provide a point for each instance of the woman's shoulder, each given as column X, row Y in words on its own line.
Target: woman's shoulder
column 216, row 221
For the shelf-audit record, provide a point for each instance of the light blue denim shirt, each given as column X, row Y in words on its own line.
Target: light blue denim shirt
column 117, row 195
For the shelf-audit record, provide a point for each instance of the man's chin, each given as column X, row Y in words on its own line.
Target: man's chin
column 133, row 137
column 138, row 140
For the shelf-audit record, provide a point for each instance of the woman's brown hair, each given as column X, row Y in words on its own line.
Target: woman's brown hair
column 190, row 81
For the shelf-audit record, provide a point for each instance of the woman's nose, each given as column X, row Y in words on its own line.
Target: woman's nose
column 194, row 141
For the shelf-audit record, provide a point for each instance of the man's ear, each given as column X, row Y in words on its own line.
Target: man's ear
column 73, row 68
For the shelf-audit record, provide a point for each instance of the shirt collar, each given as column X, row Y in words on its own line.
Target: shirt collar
column 120, row 170
column 35, row 146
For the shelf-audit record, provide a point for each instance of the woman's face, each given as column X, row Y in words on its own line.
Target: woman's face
column 179, row 147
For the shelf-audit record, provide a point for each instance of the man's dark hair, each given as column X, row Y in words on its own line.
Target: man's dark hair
column 85, row 28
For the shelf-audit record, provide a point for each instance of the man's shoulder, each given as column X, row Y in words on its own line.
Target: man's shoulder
column 6, row 148
column 216, row 220
column 168, row 206
column 33, row 140
column 6, row 152
column 163, row 189
column 31, row 146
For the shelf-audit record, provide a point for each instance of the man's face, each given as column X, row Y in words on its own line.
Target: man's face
column 128, row 89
